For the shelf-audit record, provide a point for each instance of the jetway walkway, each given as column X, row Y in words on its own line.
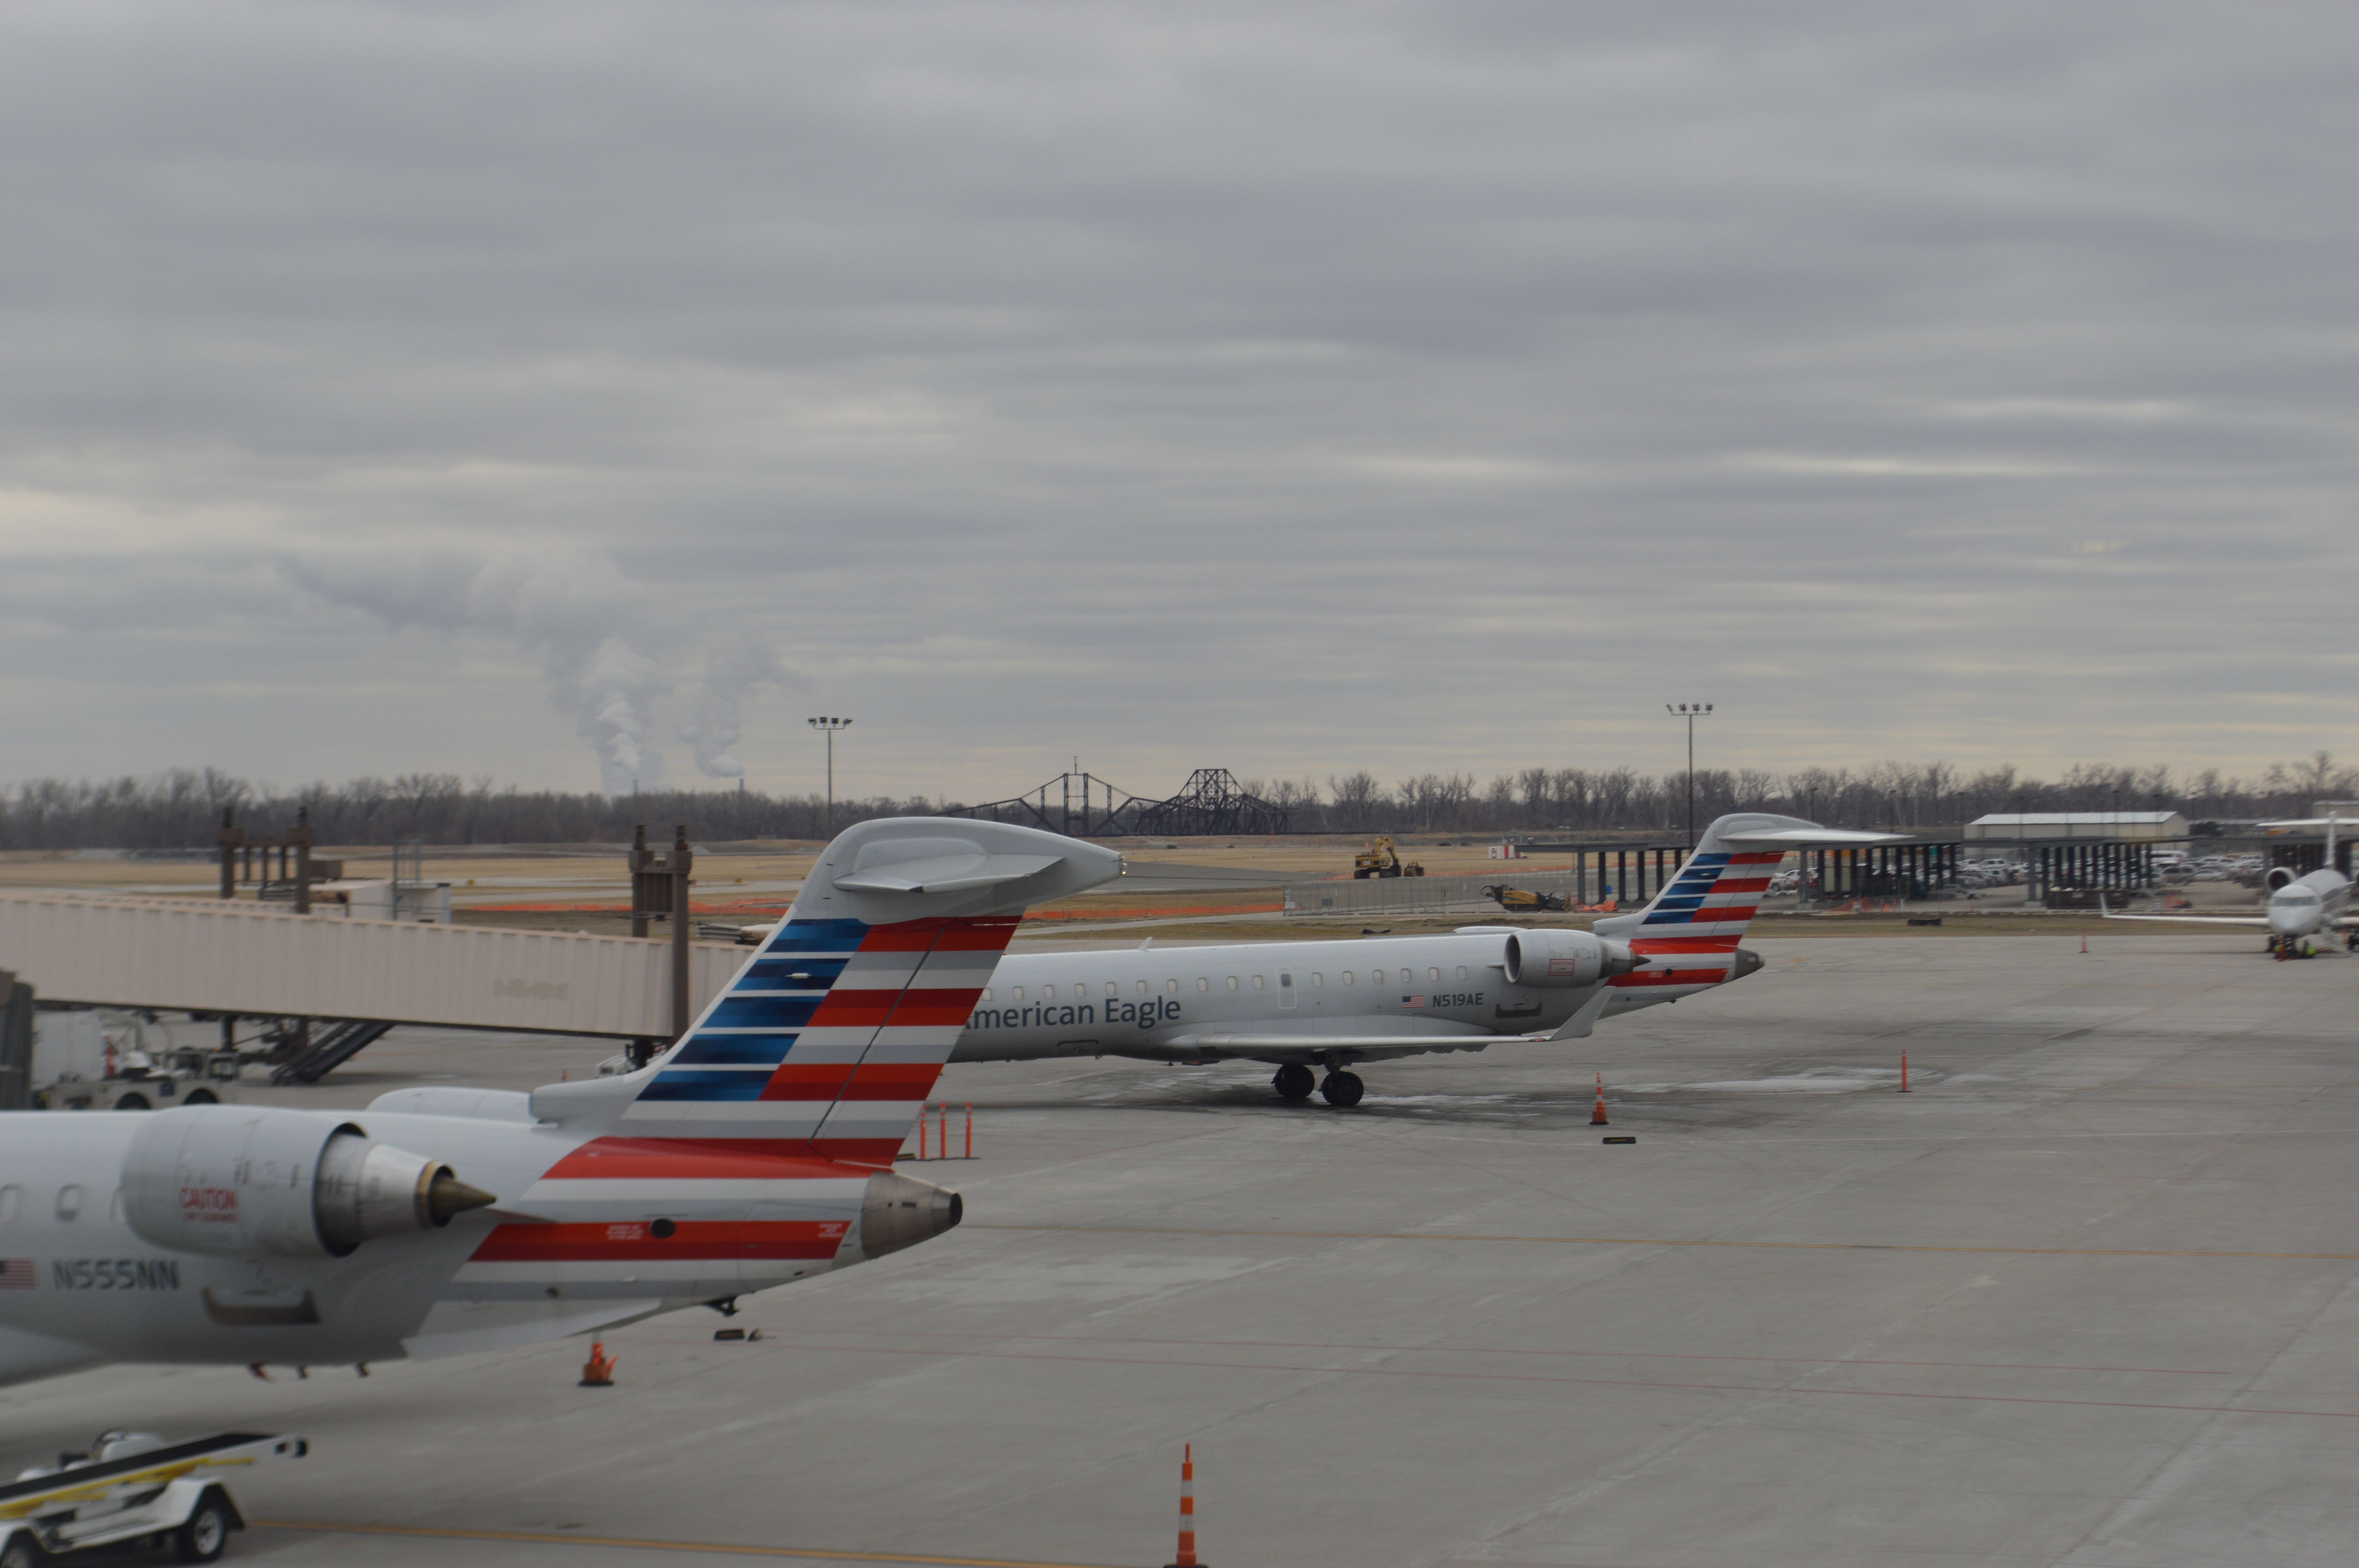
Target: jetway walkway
column 194, row 956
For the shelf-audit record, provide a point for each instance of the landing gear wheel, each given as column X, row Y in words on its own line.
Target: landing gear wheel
column 201, row 1539
column 23, row 1551
column 1342, row 1090
column 1294, row 1081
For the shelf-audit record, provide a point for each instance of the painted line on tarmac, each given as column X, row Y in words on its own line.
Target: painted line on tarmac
column 552, row 1537
column 1341, row 1345
column 1525, row 1379
column 1659, row 1241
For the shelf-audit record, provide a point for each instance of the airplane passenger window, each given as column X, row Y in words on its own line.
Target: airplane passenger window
column 1376, row 976
column 1049, row 993
column 12, row 1201
column 986, row 996
column 1259, row 982
column 1462, row 971
column 1015, row 993
column 1203, row 982
column 1143, row 988
column 1172, row 985
column 1113, row 989
column 1433, row 977
column 70, row 1202
column 1347, row 977
column 1232, row 982
column 1317, row 978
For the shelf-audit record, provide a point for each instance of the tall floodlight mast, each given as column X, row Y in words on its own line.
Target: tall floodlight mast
column 1691, row 711
column 830, row 726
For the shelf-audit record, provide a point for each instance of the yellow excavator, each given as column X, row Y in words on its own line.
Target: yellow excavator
column 1523, row 902
column 1381, row 860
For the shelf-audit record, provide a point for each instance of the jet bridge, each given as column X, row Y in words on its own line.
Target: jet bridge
column 236, row 959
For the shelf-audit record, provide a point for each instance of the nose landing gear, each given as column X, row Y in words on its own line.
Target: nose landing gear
column 1294, row 1081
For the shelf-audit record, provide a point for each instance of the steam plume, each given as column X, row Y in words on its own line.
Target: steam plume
column 569, row 606
column 719, row 718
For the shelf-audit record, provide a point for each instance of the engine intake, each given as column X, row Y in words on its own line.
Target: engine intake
column 1560, row 960
column 281, row 1184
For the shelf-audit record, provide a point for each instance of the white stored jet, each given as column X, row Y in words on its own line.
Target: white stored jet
column 757, row 1149
column 1324, row 1005
column 2300, row 909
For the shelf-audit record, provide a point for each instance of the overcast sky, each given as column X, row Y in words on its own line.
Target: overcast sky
column 554, row 393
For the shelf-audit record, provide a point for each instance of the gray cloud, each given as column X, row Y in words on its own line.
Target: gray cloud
column 1408, row 387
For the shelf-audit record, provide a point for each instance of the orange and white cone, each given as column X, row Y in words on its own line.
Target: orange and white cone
column 1186, row 1555
column 598, row 1372
column 1597, row 1115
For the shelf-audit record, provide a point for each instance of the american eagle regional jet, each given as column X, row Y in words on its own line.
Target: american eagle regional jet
column 757, row 1150
column 1322, row 1006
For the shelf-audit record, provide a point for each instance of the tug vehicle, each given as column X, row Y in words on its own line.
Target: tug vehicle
column 134, row 1488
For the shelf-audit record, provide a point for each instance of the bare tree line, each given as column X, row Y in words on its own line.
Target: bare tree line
column 181, row 809
column 1887, row 794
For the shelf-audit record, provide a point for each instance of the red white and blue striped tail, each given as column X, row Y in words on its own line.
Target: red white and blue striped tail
column 1689, row 932
column 828, row 1040
column 759, row 1149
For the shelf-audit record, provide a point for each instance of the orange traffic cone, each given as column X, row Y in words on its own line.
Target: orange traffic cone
column 598, row 1372
column 1186, row 1555
column 1597, row 1115
column 2084, row 943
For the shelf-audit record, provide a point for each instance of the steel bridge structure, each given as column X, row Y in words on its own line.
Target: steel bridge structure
column 1081, row 805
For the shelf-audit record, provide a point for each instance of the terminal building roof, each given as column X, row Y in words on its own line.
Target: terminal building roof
column 2078, row 825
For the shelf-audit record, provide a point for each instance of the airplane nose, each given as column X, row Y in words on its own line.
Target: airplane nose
column 1620, row 960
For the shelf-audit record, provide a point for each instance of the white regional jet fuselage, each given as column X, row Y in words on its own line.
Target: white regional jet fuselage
column 1327, row 1001
column 2299, row 909
column 1300, row 1005
column 757, row 1149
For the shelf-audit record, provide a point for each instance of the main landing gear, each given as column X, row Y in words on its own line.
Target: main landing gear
column 1341, row 1089
column 1294, row 1081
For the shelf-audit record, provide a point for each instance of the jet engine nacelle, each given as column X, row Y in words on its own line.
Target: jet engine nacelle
column 1559, row 960
column 235, row 1183
column 2280, row 876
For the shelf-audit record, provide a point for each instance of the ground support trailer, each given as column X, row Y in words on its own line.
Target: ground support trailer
column 132, row 1486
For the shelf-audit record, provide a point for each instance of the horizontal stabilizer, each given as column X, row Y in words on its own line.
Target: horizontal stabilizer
column 1807, row 837
column 944, row 874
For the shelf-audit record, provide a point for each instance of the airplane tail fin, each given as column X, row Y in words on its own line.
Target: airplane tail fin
column 1705, row 908
column 828, row 1040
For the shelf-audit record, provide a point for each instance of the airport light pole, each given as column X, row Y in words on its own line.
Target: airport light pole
column 829, row 725
column 1691, row 711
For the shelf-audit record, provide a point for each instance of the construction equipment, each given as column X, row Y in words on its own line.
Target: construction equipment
column 133, row 1485
column 1381, row 860
column 1524, row 902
